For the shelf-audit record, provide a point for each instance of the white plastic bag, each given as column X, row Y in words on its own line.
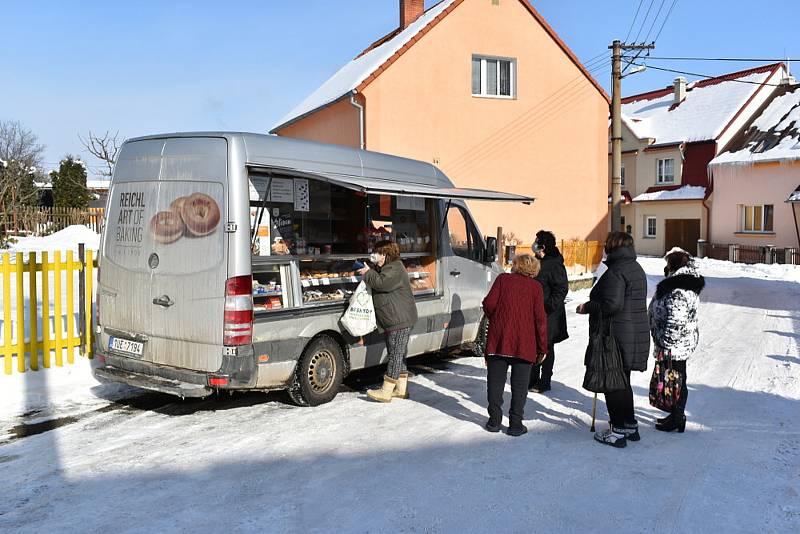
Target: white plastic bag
column 359, row 319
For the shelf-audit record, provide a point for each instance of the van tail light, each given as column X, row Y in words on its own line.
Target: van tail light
column 238, row 325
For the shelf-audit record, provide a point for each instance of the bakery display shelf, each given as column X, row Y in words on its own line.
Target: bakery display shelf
column 327, row 281
column 423, row 292
column 264, row 295
column 416, row 254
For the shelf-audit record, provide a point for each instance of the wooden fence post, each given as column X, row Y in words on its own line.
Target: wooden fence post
column 81, row 294
column 33, row 311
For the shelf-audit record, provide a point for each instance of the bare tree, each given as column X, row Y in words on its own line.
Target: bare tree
column 104, row 148
column 20, row 163
column 19, row 144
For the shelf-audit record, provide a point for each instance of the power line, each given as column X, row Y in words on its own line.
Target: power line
column 644, row 21
column 634, row 20
column 742, row 59
column 655, row 19
column 665, row 20
column 707, row 76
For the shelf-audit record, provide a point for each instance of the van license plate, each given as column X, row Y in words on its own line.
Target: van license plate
column 124, row 345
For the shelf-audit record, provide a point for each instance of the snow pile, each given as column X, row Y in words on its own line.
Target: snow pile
column 709, row 106
column 351, row 75
column 794, row 197
column 774, row 135
column 66, row 239
column 687, row 192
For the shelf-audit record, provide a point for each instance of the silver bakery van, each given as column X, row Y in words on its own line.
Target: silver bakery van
column 227, row 260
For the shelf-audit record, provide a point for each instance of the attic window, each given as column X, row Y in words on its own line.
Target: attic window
column 494, row 77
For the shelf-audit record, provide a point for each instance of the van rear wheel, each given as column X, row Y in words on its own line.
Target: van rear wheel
column 319, row 373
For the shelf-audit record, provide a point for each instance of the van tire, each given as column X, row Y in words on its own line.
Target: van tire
column 318, row 374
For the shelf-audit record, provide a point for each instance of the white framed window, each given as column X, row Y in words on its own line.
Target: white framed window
column 649, row 226
column 665, row 171
column 756, row 218
column 494, row 77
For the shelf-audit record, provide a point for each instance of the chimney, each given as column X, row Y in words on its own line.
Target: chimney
column 680, row 90
column 410, row 10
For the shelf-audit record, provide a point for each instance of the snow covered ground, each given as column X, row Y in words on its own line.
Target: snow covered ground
column 253, row 463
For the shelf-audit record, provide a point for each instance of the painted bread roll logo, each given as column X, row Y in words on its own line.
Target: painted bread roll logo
column 195, row 215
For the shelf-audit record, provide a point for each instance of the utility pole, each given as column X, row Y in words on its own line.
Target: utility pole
column 616, row 128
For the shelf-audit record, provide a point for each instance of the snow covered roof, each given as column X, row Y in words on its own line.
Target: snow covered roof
column 98, row 184
column 773, row 135
column 626, row 197
column 90, row 184
column 349, row 77
column 687, row 192
column 795, row 196
column 369, row 63
column 710, row 105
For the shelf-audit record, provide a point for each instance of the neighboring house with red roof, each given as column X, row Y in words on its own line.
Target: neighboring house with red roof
column 669, row 138
column 487, row 91
column 757, row 179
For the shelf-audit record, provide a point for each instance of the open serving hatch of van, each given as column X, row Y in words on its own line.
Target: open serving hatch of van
column 391, row 187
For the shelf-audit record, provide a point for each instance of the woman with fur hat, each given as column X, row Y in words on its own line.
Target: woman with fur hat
column 673, row 325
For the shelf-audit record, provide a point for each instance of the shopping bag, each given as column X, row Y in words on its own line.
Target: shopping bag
column 603, row 360
column 359, row 318
column 665, row 384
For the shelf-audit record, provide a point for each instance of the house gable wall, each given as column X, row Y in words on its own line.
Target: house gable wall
column 736, row 185
column 337, row 124
column 549, row 142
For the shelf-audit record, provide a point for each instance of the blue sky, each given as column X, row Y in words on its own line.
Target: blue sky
column 146, row 67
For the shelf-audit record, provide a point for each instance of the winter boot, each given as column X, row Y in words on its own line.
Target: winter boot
column 401, row 391
column 631, row 431
column 492, row 427
column 612, row 436
column 541, row 387
column 516, row 431
column 673, row 422
column 385, row 392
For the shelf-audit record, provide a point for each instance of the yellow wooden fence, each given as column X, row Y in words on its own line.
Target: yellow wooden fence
column 61, row 335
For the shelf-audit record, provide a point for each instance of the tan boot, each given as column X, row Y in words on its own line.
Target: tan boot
column 384, row 394
column 401, row 391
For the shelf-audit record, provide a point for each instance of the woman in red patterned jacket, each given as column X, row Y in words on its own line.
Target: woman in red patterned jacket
column 517, row 337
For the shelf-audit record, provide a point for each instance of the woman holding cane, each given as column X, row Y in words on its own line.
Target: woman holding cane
column 619, row 301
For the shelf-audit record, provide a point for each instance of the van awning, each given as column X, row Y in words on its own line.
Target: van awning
column 393, row 188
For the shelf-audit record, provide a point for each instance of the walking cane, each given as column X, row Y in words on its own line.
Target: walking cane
column 594, row 411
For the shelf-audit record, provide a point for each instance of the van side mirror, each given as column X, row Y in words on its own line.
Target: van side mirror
column 491, row 250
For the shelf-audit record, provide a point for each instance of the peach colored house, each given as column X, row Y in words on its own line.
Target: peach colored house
column 757, row 180
column 488, row 92
column 669, row 137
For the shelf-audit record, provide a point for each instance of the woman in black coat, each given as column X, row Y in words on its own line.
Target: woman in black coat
column 553, row 277
column 620, row 298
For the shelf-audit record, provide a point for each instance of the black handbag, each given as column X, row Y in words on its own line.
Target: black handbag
column 603, row 360
column 480, row 341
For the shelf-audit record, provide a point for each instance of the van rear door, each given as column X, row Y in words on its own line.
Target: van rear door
column 163, row 266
